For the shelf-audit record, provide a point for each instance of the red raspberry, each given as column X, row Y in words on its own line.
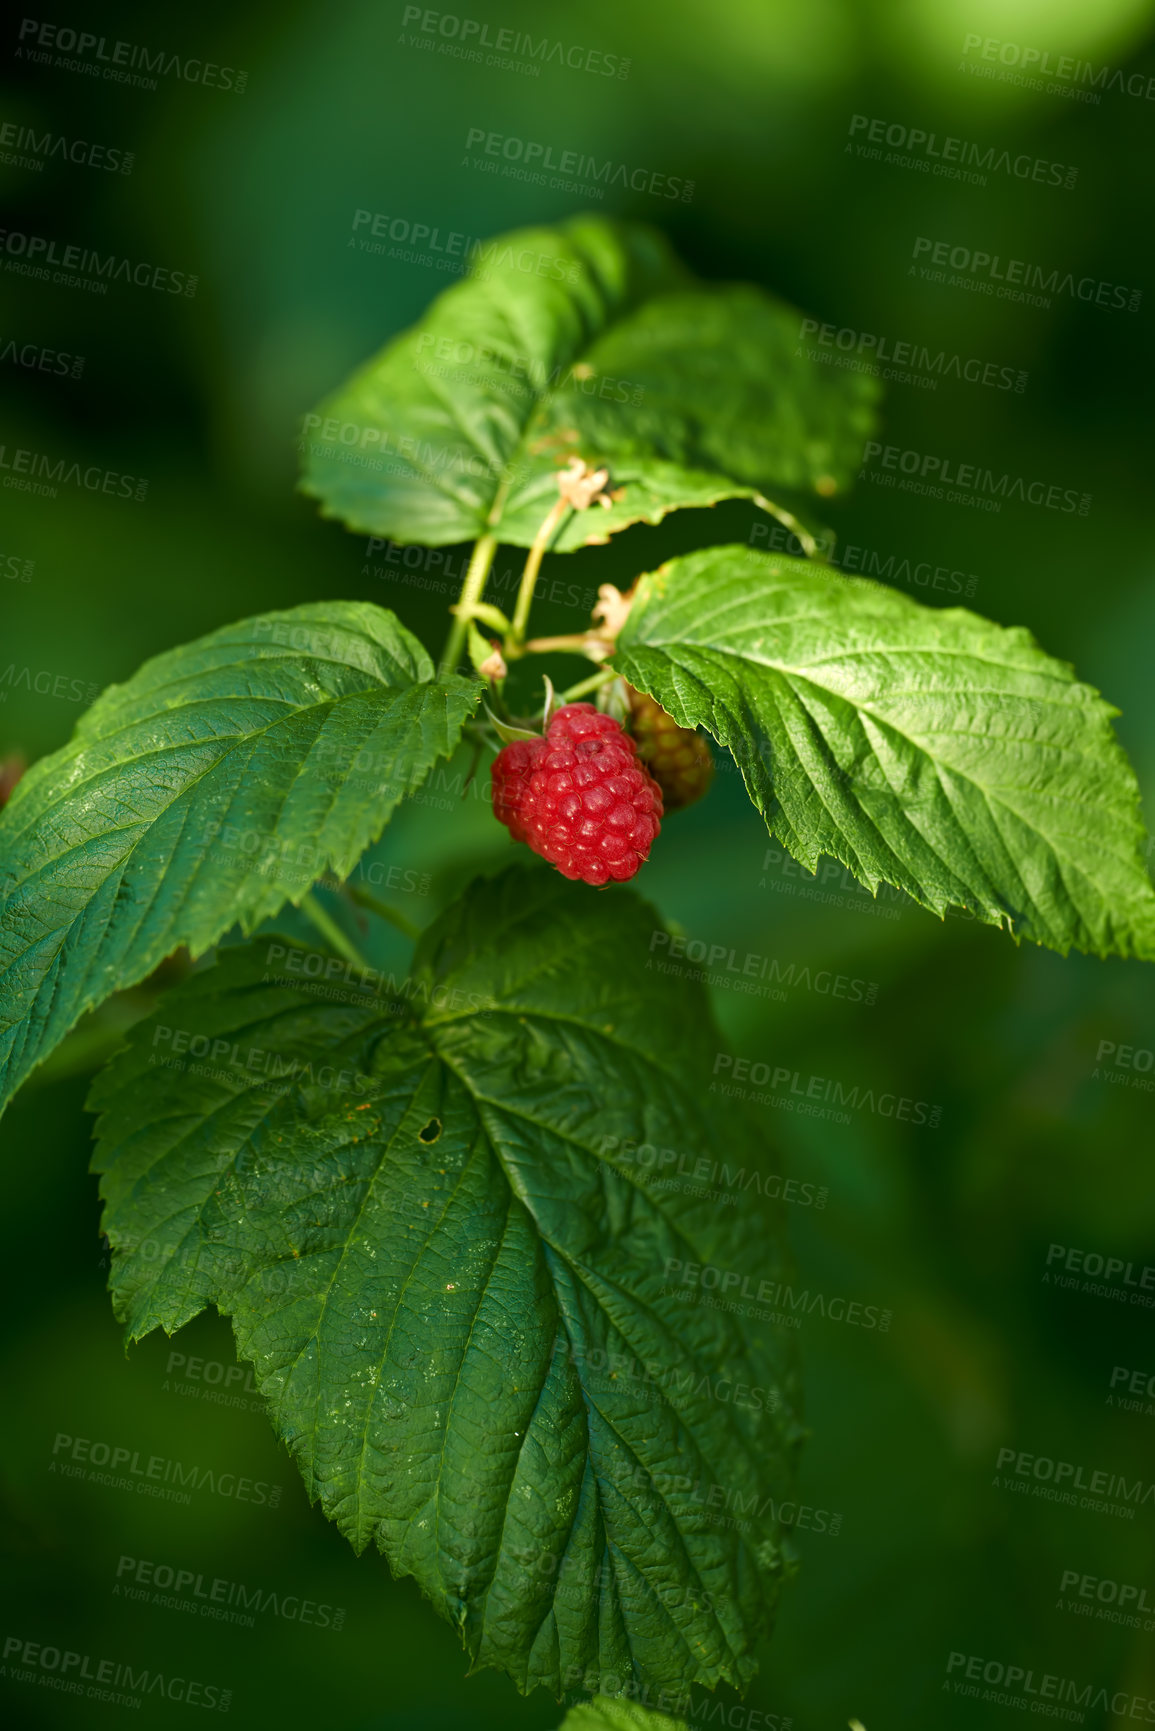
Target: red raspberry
column 510, row 772
column 579, row 797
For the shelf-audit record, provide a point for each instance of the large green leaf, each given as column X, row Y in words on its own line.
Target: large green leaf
column 222, row 779
column 460, row 1285
column 690, row 393
column 924, row 748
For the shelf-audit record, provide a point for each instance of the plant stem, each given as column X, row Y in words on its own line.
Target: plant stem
column 586, row 643
column 790, row 521
column 602, row 677
column 533, row 565
column 331, row 931
column 472, row 590
column 365, row 900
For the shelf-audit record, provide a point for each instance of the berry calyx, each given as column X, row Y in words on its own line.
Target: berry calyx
column 679, row 759
column 579, row 796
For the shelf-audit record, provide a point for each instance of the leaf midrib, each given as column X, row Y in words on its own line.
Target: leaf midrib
column 480, row 1101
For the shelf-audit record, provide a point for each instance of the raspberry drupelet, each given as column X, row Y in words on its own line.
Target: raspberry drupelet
column 579, row 796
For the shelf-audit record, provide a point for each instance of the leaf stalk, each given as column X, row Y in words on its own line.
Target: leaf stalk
column 331, row 931
column 472, row 590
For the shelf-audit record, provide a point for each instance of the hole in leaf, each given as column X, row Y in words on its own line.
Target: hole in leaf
column 431, row 1131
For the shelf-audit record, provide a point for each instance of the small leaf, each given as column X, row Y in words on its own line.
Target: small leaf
column 453, row 1280
column 480, row 649
column 616, row 357
column 505, row 731
column 608, row 1713
column 219, row 782
column 922, row 747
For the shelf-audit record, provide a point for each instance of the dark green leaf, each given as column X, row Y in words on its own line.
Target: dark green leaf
column 924, row 748
column 423, row 1204
column 220, row 781
column 689, row 393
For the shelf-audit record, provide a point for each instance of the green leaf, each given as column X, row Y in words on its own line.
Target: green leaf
column 424, row 1204
column 688, row 392
column 220, row 781
column 604, row 1713
column 924, row 748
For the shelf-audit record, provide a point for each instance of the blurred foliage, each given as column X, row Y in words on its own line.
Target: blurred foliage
column 948, row 1227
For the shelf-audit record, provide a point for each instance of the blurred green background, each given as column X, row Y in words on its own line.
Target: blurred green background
column 949, row 1227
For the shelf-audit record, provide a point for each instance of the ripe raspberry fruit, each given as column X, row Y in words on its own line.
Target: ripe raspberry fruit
column 579, row 797
column 509, row 777
column 679, row 759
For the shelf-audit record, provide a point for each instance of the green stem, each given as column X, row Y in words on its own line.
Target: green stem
column 384, row 911
column 584, row 685
column 331, row 931
column 586, row 643
column 471, row 592
column 533, row 565
column 789, row 520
